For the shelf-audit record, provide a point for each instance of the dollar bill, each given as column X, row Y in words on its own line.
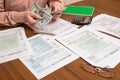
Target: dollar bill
column 45, row 13
column 35, row 8
column 48, row 10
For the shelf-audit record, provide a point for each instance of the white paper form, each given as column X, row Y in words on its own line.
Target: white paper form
column 106, row 23
column 96, row 48
column 47, row 57
column 13, row 44
column 59, row 27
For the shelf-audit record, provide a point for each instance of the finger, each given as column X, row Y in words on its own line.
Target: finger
column 58, row 9
column 31, row 21
column 36, row 16
column 56, row 13
column 57, row 16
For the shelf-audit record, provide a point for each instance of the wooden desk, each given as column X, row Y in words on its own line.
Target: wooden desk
column 15, row 70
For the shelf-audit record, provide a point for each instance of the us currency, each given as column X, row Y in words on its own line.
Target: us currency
column 48, row 10
column 35, row 8
column 45, row 13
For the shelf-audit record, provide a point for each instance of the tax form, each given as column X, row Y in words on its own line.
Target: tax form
column 106, row 23
column 13, row 44
column 47, row 56
column 94, row 47
column 59, row 27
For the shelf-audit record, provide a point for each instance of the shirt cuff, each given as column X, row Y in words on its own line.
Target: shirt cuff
column 16, row 17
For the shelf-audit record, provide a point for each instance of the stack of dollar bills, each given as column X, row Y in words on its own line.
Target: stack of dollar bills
column 45, row 13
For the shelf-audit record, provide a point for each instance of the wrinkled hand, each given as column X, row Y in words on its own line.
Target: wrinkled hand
column 57, row 6
column 30, row 18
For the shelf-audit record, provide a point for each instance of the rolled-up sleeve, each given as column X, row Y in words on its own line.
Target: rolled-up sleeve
column 10, row 18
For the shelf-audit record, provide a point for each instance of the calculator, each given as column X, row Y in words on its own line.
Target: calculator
column 82, row 20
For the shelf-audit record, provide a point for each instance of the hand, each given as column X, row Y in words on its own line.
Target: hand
column 57, row 6
column 31, row 18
